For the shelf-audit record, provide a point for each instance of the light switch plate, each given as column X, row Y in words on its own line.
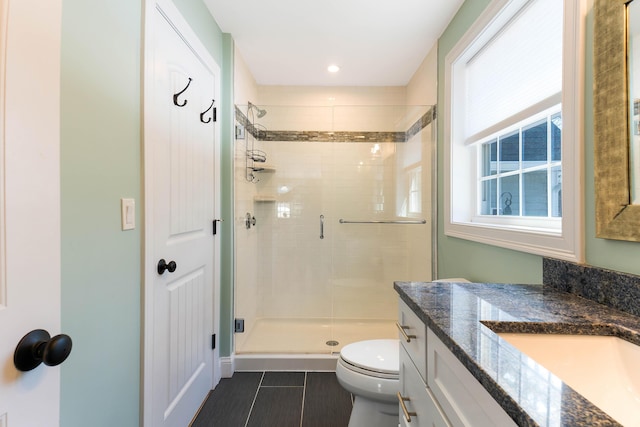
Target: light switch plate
column 128, row 213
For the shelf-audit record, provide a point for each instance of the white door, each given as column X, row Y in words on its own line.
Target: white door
column 180, row 133
column 29, row 204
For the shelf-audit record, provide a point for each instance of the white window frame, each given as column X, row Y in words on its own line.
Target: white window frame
column 460, row 177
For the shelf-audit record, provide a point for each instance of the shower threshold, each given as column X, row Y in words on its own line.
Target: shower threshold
column 285, row 362
column 304, row 343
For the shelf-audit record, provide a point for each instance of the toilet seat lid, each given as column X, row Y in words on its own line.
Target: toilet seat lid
column 374, row 355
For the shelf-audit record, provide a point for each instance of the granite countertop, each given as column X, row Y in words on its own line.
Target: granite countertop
column 466, row 317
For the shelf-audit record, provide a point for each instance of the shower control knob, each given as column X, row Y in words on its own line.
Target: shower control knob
column 164, row 266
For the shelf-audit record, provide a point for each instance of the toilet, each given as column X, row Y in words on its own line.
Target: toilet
column 369, row 370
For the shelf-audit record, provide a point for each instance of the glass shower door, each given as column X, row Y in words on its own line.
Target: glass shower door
column 305, row 281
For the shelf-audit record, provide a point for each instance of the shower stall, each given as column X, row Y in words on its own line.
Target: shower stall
column 332, row 205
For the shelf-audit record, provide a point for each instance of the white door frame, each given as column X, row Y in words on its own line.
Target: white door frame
column 172, row 14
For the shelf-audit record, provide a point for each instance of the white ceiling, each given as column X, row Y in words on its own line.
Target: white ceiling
column 374, row 42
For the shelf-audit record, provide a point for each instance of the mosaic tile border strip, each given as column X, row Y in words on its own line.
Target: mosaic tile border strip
column 611, row 288
column 320, row 136
column 341, row 136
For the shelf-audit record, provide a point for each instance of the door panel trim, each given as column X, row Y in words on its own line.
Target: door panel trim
column 4, row 6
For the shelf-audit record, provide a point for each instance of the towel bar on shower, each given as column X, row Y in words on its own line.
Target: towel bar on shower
column 402, row 221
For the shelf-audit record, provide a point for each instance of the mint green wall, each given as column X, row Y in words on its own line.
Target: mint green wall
column 101, row 125
column 478, row 262
column 100, row 163
column 226, row 257
column 462, row 258
column 200, row 20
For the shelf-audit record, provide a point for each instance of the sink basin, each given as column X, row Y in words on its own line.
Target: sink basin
column 604, row 369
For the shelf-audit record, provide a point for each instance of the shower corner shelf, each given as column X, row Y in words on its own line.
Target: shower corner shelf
column 263, row 169
column 259, row 198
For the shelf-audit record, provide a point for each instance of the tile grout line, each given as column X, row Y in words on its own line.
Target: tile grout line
column 282, row 386
column 304, row 392
column 255, row 396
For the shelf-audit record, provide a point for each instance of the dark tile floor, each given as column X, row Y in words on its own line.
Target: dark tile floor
column 277, row 399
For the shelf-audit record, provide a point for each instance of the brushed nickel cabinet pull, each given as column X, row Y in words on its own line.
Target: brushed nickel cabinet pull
column 402, row 328
column 407, row 414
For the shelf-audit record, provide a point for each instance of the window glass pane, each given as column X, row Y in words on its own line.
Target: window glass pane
column 529, row 147
column 510, row 195
column 535, row 193
column 283, row 210
column 489, row 158
column 509, row 152
column 534, row 144
column 556, row 137
column 556, row 192
column 415, row 190
column 489, row 191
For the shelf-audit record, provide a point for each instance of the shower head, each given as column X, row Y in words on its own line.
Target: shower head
column 259, row 111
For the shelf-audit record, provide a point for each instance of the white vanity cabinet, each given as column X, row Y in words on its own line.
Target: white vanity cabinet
column 417, row 406
column 444, row 393
column 420, row 406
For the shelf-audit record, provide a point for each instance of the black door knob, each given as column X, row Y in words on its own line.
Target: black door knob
column 37, row 347
column 163, row 266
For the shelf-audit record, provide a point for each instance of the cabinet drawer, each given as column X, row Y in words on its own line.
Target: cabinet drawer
column 418, row 398
column 461, row 396
column 415, row 341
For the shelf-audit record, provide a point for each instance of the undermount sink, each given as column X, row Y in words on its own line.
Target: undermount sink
column 604, row 369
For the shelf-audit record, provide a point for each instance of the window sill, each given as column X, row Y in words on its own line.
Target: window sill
column 547, row 243
column 541, row 225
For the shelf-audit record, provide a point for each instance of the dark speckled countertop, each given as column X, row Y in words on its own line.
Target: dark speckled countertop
column 466, row 317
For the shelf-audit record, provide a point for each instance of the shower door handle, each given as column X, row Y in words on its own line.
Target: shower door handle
column 322, row 226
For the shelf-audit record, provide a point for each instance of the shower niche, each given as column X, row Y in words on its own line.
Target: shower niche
column 346, row 212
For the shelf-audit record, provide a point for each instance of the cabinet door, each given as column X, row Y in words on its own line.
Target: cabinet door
column 414, row 339
column 417, row 398
column 461, row 396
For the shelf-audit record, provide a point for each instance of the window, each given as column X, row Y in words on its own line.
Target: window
column 283, row 210
column 415, row 190
column 409, row 192
column 512, row 130
column 521, row 171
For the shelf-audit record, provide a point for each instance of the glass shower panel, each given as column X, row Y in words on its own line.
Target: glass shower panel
column 316, row 283
column 293, row 259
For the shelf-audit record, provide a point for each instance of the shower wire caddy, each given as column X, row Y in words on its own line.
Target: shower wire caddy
column 254, row 159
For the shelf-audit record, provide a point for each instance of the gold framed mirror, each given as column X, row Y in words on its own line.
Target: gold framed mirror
column 616, row 216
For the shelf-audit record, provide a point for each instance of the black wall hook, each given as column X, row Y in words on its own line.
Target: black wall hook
column 175, row 96
column 205, row 112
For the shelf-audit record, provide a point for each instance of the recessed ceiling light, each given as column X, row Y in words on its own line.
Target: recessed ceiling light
column 333, row 68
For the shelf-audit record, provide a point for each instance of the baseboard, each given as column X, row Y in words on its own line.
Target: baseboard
column 227, row 367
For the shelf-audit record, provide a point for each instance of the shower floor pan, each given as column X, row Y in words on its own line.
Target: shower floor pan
column 304, row 344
